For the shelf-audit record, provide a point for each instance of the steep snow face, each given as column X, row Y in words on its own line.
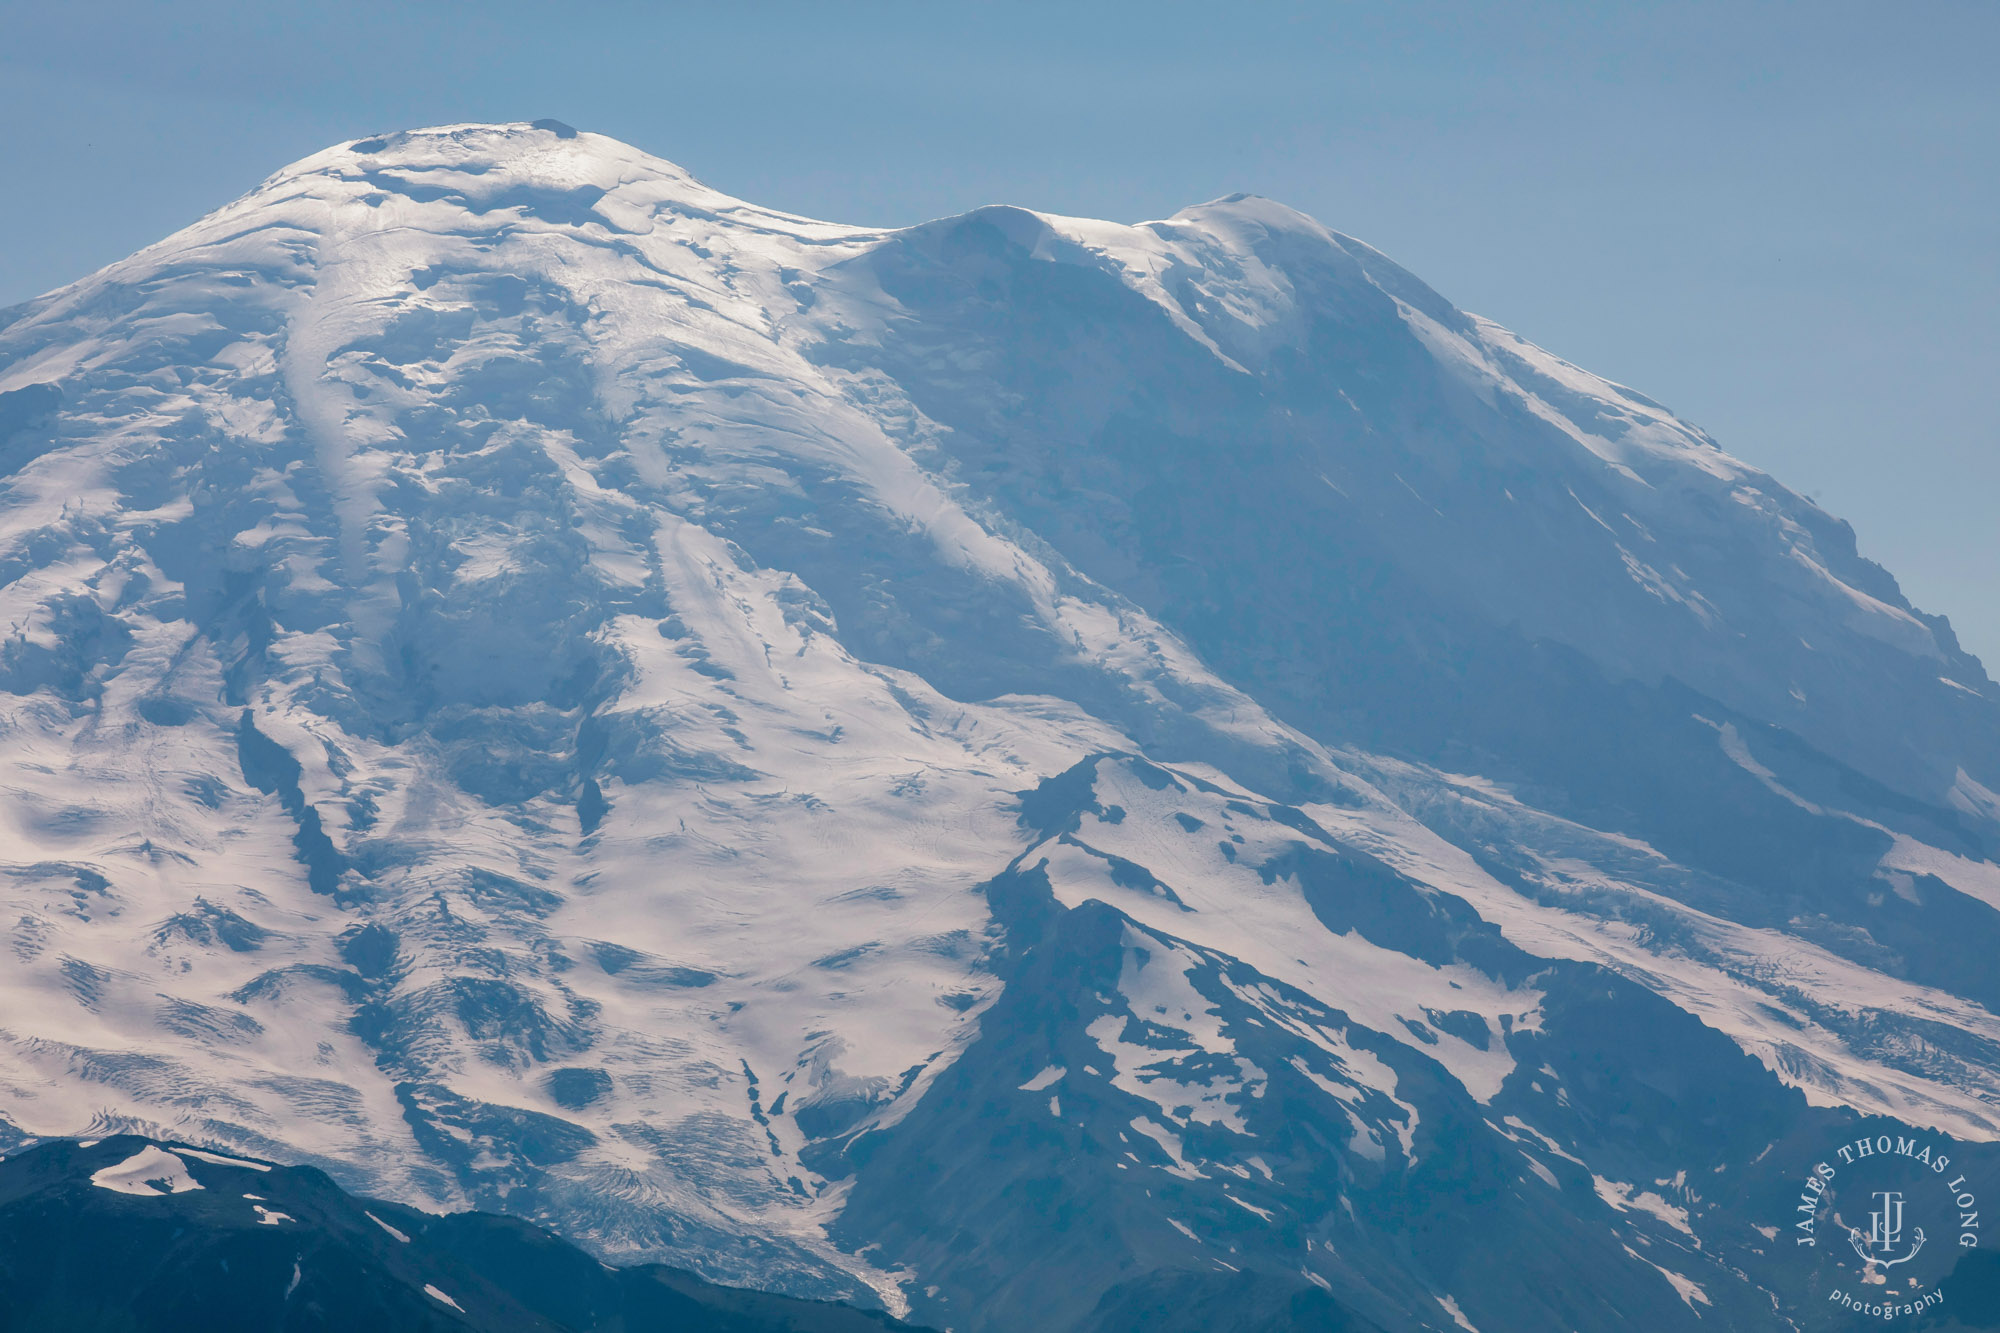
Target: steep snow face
column 1293, row 381
column 531, row 682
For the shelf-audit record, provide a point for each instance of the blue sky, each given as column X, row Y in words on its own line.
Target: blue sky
column 1782, row 220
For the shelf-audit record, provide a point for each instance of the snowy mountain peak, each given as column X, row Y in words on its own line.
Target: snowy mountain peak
column 484, row 162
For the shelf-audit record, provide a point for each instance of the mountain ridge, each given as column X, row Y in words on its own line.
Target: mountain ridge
column 123, row 1246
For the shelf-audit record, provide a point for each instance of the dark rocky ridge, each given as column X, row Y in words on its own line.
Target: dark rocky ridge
column 80, row 1258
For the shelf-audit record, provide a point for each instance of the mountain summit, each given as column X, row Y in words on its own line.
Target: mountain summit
column 1044, row 773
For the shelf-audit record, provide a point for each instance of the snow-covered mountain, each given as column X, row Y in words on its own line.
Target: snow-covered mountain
column 1048, row 773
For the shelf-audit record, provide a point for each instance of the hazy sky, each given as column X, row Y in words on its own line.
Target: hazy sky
column 1779, row 219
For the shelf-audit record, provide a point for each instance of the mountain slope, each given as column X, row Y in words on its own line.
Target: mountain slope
column 534, row 684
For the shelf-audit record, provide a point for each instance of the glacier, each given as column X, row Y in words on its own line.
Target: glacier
column 1034, row 771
